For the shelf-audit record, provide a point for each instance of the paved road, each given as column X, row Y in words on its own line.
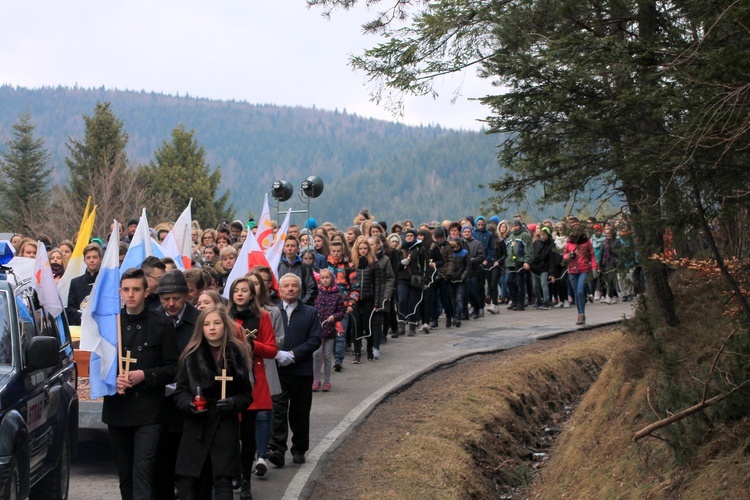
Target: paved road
column 358, row 389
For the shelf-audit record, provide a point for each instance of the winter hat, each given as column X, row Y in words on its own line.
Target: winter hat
column 394, row 237
column 467, row 227
column 532, row 228
column 172, row 282
column 546, row 230
column 133, row 222
column 470, row 218
column 517, row 222
column 495, row 219
column 411, row 231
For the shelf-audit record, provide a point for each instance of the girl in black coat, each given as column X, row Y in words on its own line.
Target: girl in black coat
column 366, row 292
column 542, row 267
column 209, row 455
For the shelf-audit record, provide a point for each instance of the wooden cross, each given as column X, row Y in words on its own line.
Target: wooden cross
column 251, row 334
column 127, row 359
column 223, row 377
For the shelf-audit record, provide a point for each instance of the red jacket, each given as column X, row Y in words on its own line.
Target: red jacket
column 585, row 259
column 264, row 347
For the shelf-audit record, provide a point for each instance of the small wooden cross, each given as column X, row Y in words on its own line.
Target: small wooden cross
column 251, row 334
column 127, row 359
column 223, row 377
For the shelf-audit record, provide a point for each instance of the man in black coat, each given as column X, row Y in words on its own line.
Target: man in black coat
column 135, row 413
column 291, row 407
column 173, row 293
column 80, row 287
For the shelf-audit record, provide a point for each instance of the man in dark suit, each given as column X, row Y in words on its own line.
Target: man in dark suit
column 291, row 407
column 80, row 287
column 173, row 293
column 134, row 415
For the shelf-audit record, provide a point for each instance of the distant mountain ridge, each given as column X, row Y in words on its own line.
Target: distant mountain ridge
column 394, row 170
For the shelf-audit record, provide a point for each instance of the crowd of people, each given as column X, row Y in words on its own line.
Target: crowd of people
column 240, row 373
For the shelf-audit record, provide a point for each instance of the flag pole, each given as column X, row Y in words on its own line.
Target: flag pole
column 119, row 346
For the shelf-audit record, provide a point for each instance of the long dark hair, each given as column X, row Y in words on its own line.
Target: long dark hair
column 253, row 306
column 197, row 339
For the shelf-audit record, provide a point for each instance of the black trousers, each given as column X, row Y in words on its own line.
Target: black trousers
column 291, row 410
column 135, row 455
column 166, row 459
column 249, row 446
column 206, row 486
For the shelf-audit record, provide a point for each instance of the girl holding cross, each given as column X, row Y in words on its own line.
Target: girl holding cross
column 217, row 364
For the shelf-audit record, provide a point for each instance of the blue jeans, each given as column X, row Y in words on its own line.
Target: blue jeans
column 516, row 281
column 578, row 284
column 541, row 288
column 340, row 346
column 262, row 431
column 442, row 295
column 408, row 301
column 458, row 290
column 472, row 287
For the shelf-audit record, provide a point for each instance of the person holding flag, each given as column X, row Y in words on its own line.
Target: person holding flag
column 134, row 414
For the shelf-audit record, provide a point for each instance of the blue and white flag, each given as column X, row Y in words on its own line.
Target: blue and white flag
column 140, row 246
column 99, row 323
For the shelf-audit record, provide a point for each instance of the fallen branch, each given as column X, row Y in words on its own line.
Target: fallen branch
column 685, row 413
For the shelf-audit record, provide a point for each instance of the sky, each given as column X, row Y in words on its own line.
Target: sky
column 263, row 52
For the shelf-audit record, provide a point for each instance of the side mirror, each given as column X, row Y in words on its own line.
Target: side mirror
column 41, row 352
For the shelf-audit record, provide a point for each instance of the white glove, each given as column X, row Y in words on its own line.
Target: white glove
column 404, row 262
column 284, row 358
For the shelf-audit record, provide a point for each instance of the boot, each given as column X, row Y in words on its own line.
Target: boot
column 448, row 322
column 401, row 329
column 581, row 320
column 412, row 330
column 245, row 490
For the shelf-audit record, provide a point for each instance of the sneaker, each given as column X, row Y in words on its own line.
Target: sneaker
column 566, row 304
column 326, row 387
column 316, row 386
column 597, row 295
column 357, row 360
column 492, row 309
column 536, row 306
column 590, row 299
column 560, row 304
column 433, row 324
column 370, row 357
column 376, row 352
column 261, row 467
column 615, row 300
column 519, row 308
column 544, row 307
column 511, row 305
column 481, row 313
column 425, row 328
column 337, row 367
column 606, row 300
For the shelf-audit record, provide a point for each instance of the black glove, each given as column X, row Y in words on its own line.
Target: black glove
column 226, row 405
column 192, row 409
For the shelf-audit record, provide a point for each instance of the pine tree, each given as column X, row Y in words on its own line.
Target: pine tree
column 180, row 172
column 24, row 168
column 98, row 155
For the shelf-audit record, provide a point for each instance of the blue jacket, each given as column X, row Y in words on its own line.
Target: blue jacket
column 488, row 243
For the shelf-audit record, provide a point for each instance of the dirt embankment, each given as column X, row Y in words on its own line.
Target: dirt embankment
column 477, row 429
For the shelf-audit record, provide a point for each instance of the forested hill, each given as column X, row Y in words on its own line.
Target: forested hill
column 396, row 171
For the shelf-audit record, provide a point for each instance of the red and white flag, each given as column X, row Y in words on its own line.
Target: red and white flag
column 250, row 255
column 274, row 253
column 264, row 234
column 183, row 234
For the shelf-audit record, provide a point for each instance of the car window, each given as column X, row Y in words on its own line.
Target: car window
column 6, row 344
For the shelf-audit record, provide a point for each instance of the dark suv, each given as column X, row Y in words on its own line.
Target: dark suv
column 38, row 399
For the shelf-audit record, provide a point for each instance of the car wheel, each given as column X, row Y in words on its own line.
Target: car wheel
column 55, row 484
column 12, row 487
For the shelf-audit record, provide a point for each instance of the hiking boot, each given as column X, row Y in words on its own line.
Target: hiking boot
column 412, row 330
column 581, row 320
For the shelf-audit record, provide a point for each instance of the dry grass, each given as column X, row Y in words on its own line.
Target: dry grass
column 468, row 431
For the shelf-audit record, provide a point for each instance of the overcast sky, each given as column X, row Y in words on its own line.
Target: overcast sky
column 263, row 52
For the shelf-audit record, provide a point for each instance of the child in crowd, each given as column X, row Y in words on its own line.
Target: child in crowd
column 331, row 310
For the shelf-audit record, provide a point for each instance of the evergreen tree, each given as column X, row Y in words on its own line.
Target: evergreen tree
column 180, row 172
column 100, row 154
column 24, row 168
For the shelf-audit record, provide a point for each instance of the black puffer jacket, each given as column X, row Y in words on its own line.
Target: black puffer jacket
column 367, row 282
column 541, row 260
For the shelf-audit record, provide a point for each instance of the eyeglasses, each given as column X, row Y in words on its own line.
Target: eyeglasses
column 154, row 277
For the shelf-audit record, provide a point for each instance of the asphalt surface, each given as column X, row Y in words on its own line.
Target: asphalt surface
column 358, row 389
